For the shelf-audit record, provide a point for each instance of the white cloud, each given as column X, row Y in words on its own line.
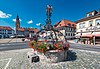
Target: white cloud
column 29, row 22
column 4, row 15
column 38, row 24
column 15, row 20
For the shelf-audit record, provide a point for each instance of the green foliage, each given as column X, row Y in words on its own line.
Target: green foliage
column 42, row 46
column 60, row 46
column 92, row 40
column 83, row 40
column 33, row 43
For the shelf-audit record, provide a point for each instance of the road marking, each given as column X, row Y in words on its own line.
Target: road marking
column 9, row 60
column 8, row 63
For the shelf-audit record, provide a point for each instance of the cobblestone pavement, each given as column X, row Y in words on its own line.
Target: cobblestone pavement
column 19, row 59
column 76, row 60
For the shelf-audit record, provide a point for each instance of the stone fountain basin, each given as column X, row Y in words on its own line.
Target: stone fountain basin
column 56, row 55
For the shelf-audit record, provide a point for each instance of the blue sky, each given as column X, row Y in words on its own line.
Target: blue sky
column 32, row 12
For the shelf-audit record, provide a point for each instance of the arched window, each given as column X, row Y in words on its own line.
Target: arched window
column 98, row 22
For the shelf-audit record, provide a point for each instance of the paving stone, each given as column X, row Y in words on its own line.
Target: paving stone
column 76, row 60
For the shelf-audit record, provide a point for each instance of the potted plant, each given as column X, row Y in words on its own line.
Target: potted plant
column 83, row 40
column 92, row 41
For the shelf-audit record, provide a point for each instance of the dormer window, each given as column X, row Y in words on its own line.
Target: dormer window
column 68, row 24
column 72, row 25
column 88, row 15
column 92, row 13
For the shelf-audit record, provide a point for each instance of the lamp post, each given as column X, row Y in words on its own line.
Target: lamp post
column 81, row 36
column 94, row 34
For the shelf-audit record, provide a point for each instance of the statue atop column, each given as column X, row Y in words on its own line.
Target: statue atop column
column 48, row 20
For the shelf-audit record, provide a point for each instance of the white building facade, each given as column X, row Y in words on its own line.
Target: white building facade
column 67, row 28
column 88, row 28
column 6, row 32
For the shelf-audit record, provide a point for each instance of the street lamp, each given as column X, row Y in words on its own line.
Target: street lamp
column 81, row 36
column 94, row 34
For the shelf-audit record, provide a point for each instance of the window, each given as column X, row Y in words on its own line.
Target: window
column 91, row 23
column 72, row 25
column 70, row 29
column 90, row 14
column 87, row 15
column 82, row 25
column 98, row 22
column 66, row 34
column 68, row 24
column 71, row 34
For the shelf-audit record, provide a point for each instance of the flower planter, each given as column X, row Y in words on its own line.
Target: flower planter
column 56, row 55
column 52, row 52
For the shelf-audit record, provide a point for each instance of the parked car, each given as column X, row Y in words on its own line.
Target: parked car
column 12, row 36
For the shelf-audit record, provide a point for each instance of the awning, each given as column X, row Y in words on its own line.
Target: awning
column 97, row 34
column 87, row 35
column 78, row 34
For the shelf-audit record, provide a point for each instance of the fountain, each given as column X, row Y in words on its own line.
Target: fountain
column 51, row 45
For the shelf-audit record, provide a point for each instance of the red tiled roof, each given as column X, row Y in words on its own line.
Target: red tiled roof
column 20, row 29
column 36, row 30
column 65, row 23
column 69, row 22
column 6, row 28
column 28, row 29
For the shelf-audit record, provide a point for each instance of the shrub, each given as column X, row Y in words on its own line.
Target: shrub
column 83, row 40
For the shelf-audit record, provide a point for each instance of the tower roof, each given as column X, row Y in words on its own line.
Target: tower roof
column 17, row 17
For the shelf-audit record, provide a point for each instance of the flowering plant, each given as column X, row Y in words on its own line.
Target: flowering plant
column 41, row 46
column 58, row 45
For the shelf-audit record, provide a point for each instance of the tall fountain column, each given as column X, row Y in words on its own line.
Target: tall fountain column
column 48, row 20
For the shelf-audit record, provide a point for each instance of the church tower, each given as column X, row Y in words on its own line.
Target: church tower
column 17, row 23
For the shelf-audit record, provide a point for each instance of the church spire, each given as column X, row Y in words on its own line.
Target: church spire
column 17, row 17
column 17, row 23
